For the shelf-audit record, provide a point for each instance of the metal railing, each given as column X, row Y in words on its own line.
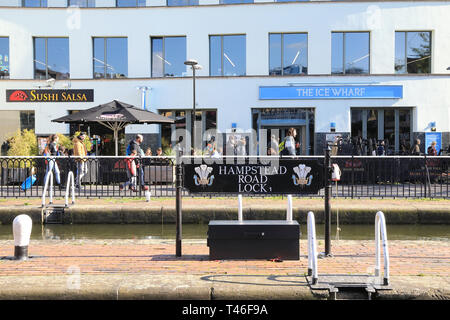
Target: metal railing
column 362, row 176
column 71, row 184
column 380, row 229
column 312, row 248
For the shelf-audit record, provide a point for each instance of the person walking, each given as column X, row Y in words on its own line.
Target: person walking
column 415, row 150
column 289, row 142
column 431, row 151
column 79, row 150
column 51, row 151
column 135, row 145
column 240, row 148
column 274, row 145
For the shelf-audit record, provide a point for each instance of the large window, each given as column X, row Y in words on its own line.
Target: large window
column 51, row 58
column 34, row 3
column 350, row 53
column 227, row 55
column 288, row 53
column 110, row 58
column 130, row 3
column 412, row 52
column 168, row 56
column 82, row 3
column 393, row 125
column 175, row 3
column 4, row 57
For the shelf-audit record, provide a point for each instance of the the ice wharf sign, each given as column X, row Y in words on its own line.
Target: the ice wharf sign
column 331, row 92
column 286, row 176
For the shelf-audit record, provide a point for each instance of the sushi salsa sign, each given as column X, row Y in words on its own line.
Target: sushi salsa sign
column 287, row 176
column 35, row 95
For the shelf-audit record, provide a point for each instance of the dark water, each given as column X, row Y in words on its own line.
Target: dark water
column 199, row 231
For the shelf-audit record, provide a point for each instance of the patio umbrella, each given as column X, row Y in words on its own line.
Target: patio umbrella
column 115, row 115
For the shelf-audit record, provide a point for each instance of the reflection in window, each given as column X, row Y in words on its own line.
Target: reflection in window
column 34, row 3
column 405, row 130
column 350, row 53
column 357, row 120
column 4, row 57
column 130, row 3
column 372, row 124
column 51, row 58
column 235, row 1
column 82, row 3
column 389, row 130
column 227, row 55
column 176, row 3
column 412, row 52
column 110, row 58
column 168, row 56
column 288, row 53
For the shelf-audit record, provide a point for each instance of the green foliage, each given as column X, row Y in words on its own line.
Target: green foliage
column 65, row 141
column 23, row 143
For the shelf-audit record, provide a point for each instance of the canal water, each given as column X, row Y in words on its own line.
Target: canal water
column 199, row 231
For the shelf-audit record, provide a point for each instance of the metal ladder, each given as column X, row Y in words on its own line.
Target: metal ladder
column 370, row 283
column 53, row 213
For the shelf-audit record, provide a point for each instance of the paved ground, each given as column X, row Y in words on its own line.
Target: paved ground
column 111, row 269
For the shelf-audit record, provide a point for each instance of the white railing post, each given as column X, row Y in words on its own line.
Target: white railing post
column 240, row 215
column 289, row 208
column 49, row 178
column 70, row 188
column 312, row 249
column 380, row 227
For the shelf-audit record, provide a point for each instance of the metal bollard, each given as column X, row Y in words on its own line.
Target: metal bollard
column 289, row 208
column 147, row 195
column 22, row 225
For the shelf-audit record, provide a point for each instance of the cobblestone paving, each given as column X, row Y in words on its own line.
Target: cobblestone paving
column 413, row 258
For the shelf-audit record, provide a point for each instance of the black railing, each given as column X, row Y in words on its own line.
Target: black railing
column 362, row 177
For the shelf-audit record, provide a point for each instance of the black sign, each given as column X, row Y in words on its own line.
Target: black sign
column 284, row 176
column 49, row 95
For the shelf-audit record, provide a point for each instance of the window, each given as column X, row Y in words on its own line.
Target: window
column 412, row 52
column 4, row 57
column 288, row 53
column 235, row 1
column 174, row 3
column 130, row 3
column 51, row 58
column 34, row 3
column 350, row 53
column 82, row 3
column 168, row 56
column 110, row 58
column 227, row 55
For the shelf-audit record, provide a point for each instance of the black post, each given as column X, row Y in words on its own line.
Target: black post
column 178, row 184
column 327, row 201
column 193, row 110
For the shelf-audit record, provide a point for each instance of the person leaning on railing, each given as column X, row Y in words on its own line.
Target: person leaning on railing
column 79, row 150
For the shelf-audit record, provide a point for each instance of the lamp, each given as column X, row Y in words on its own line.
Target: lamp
column 332, row 126
column 194, row 65
column 433, row 126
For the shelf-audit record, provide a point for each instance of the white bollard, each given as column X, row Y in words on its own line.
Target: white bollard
column 147, row 195
column 240, row 216
column 22, row 225
column 289, row 208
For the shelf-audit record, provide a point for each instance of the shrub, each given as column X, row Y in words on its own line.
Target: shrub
column 23, row 143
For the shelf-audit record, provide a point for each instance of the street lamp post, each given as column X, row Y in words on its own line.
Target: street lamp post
column 194, row 65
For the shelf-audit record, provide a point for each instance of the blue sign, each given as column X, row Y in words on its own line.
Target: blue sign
column 433, row 136
column 331, row 92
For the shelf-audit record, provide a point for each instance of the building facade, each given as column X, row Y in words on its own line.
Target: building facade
column 377, row 70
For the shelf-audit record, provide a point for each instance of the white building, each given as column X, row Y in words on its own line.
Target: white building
column 370, row 69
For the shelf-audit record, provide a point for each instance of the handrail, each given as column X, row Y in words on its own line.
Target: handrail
column 312, row 248
column 70, row 181
column 380, row 225
column 49, row 178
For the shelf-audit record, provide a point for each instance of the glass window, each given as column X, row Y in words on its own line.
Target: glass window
column 51, row 58
column 357, row 123
column 412, row 52
column 350, row 52
column 288, row 53
column 372, row 124
column 4, row 57
column 34, row 3
column 82, row 3
column 405, row 130
column 110, row 58
column 235, row 1
column 227, row 55
column 130, row 3
column 175, row 3
column 168, row 56
column 389, row 130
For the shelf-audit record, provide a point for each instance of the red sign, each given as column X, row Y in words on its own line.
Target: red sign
column 18, row 95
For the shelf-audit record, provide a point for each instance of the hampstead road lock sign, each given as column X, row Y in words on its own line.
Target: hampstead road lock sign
column 286, row 176
column 37, row 95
